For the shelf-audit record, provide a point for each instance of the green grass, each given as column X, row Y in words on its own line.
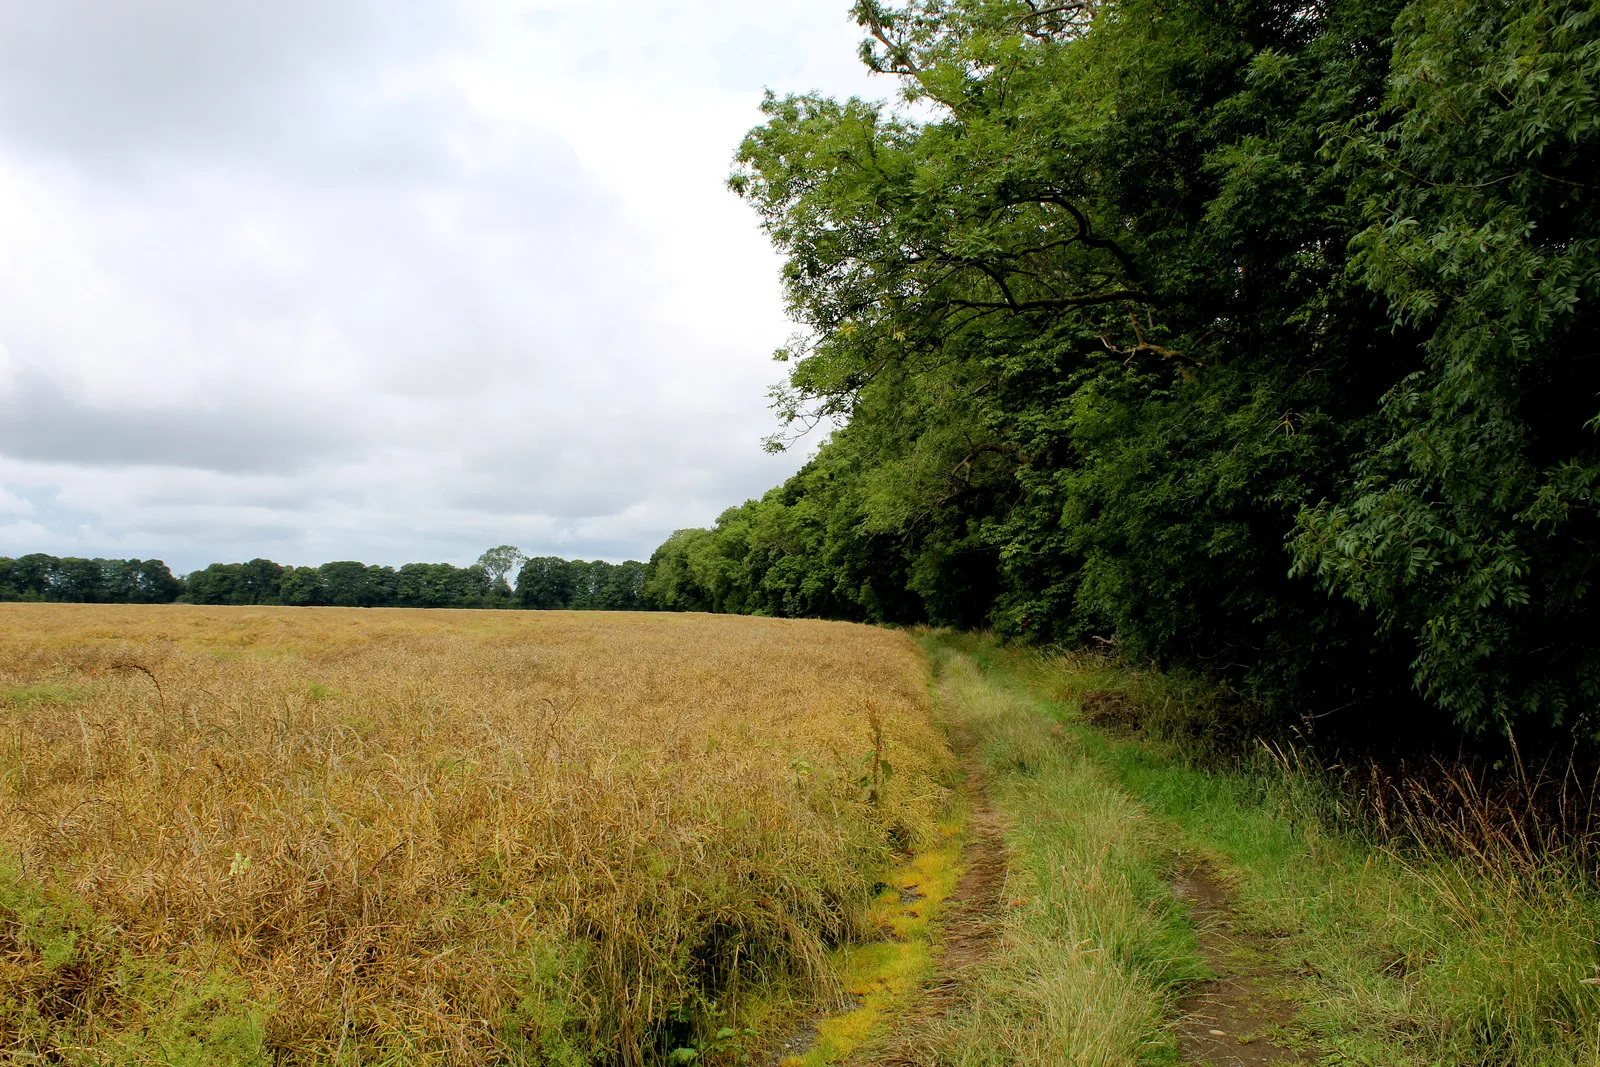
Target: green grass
column 58, row 960
column 1095, row 949
column 1398, row 955
column 1414, row 956
column 48, row 694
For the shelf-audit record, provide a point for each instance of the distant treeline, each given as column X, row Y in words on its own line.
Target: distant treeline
column 93, row 581
column 541, row 582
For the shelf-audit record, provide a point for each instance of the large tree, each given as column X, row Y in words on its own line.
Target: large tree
column 500, row 564
column 1162, row 320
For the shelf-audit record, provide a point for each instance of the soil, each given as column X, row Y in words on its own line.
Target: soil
column 1233, row 1020
column 795, row 1043
column 969, row 929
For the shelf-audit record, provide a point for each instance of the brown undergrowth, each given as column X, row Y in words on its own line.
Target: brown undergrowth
column 328, row 835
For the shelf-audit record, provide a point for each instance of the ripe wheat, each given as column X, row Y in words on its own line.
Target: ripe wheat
column 329, row 835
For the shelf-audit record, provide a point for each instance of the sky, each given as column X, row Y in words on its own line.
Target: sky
column 349, row 279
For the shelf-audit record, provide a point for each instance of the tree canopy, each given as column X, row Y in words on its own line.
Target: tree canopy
column 346, row 583
column 96, row 581
column 1253, row 337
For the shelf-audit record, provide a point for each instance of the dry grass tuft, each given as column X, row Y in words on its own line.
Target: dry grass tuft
column 329, row 835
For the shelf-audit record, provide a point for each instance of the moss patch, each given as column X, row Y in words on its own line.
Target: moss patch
column 882, row 975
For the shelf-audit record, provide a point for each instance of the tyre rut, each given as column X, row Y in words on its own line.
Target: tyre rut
column 969, row 928
column 1232, row 1020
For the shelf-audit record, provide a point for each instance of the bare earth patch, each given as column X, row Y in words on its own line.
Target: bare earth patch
column 1232, row 1020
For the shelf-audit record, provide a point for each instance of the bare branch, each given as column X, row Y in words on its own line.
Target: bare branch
column 1060, row 303
column 1077, row 18
column 1147, row 346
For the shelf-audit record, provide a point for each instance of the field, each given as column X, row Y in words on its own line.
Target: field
column 344, row 836
column 248, row 836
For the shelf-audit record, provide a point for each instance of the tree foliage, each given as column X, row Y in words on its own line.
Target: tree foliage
column 548, row 582
column 95, row 581
column 345, row 583
column 1254, row 337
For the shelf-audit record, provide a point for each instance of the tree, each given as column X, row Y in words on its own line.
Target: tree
column 78, row 580
column 1170, row 319
column 500, row 563
column 1469, row 527
column 135, row 581
column 218, row 583
column 347, row 584
column 301, row 587
column 547, row 583
column 259, row 582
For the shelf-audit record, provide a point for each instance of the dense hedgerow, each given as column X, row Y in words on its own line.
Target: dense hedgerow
column 1254, row 337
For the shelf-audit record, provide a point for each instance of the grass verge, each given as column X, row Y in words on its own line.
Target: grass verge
column 1399, row 952
column 1094, row 949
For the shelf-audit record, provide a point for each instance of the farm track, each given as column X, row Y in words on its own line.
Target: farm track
column 969, row 930
column 1229, row 1020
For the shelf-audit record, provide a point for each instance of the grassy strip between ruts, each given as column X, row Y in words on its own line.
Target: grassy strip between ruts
column 1399, row 954
column 1094, row 947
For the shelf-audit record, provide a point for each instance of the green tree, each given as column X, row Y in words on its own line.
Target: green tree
column 30, row 575
column 547, row 583
column 500, row 564
column 76, row 580
column 347, row 584
column 1470, row 525
column 301, row 587
column 671, row 583
column 259, row 582
column 219, row 583
column 1169, row 319
column 135, row 581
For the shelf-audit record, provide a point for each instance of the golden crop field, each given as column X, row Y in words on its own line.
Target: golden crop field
column 321, row 835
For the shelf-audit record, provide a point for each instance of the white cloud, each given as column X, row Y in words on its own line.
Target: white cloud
column 12, row 504
column 347, row 279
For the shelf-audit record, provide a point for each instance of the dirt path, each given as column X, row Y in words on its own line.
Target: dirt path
column 1230, row 1021
column 969, row 928
column 968, row 931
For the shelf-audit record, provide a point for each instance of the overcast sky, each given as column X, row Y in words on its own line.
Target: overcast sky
column 351, row 279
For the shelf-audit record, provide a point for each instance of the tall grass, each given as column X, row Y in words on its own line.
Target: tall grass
column 330, row 836
column 1486, row 910
column 1093, row 946
column 1437, row 915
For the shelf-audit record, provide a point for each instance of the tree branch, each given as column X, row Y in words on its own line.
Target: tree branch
column 1058, row 304
column 1147, row 346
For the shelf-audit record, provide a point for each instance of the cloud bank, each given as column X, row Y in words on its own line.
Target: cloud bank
column 334, row 279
